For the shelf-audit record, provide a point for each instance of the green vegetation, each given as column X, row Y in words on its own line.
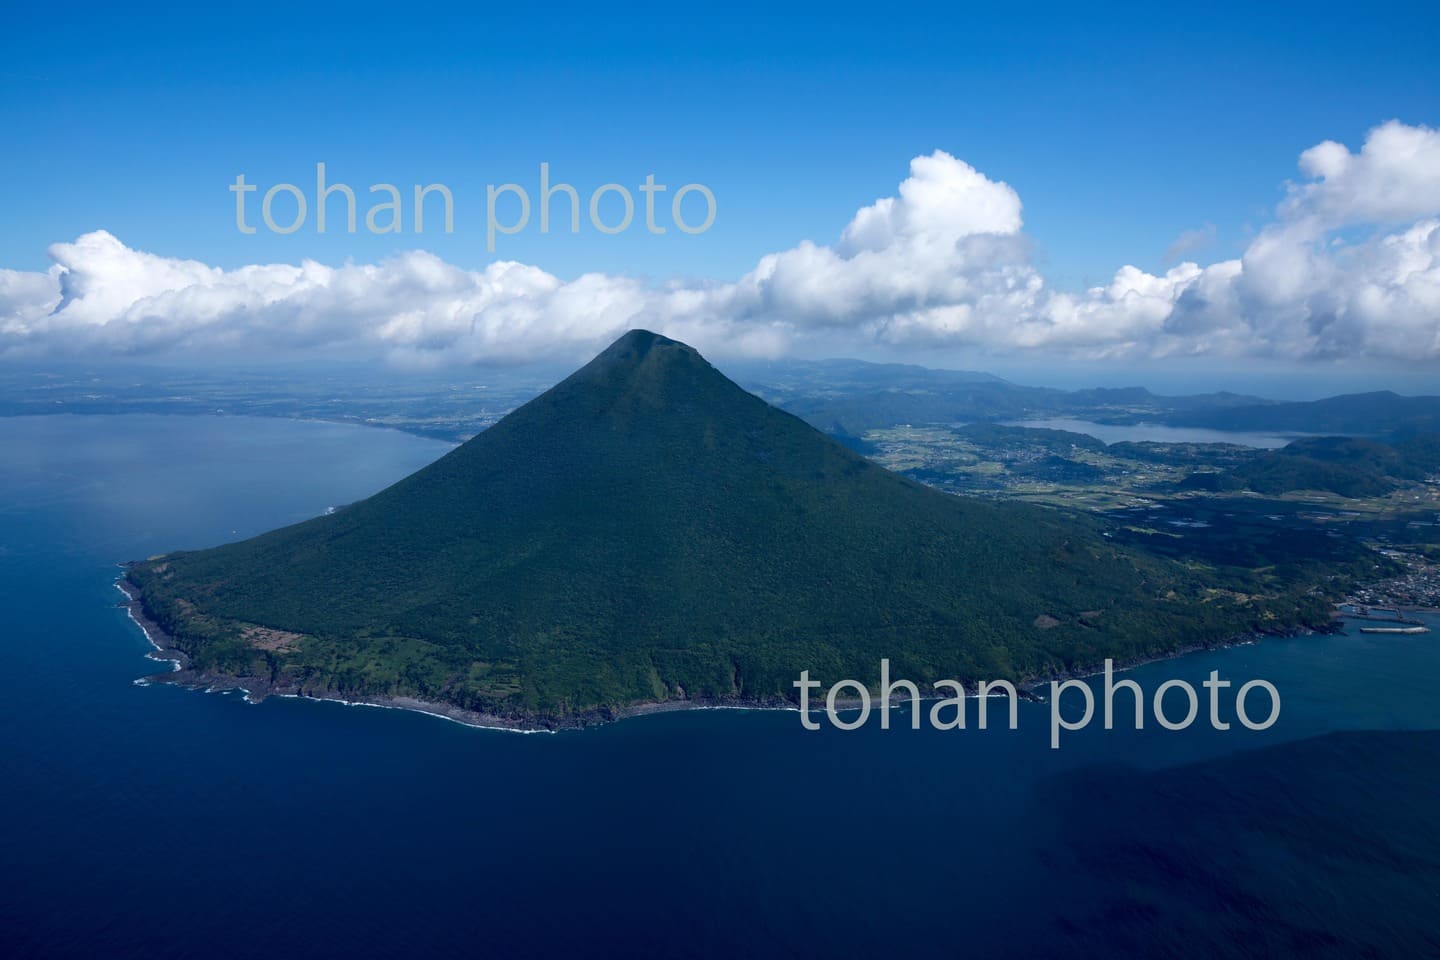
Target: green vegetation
column 1197, row 502
column 647, row 530
column 1348, row 466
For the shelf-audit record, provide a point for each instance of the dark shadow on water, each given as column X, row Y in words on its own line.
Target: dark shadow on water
column 1329, row 847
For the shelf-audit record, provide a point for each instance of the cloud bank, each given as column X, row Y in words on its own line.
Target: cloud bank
column 1348, row 266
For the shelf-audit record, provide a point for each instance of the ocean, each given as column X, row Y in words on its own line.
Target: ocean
column 150, row 821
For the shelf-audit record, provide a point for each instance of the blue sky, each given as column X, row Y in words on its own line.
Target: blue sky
column 1120, row 128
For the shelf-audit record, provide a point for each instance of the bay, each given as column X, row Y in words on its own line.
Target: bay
column 1159, row 433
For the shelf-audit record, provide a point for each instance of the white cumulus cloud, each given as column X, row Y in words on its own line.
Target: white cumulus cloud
column 1350, row 264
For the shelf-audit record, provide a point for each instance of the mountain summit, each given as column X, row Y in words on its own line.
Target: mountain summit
column 645, row 531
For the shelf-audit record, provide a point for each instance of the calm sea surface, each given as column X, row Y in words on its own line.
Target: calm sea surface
column 1137, row 432
column 154, row 822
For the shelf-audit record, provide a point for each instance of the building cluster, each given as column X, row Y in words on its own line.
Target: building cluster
column 1418, row 586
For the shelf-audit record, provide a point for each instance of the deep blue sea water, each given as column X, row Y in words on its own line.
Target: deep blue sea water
column 154, row 822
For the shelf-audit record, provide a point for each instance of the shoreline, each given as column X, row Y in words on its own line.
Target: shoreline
column 354, row 421
column 256, row 689
column 161, row 652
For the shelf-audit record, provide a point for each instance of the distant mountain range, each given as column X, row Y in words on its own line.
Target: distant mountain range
column 647, row 532
column 1381, row 413
column 845, row 398
column 850, row 397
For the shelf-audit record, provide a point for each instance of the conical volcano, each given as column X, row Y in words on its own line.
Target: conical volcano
column 648, row 531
